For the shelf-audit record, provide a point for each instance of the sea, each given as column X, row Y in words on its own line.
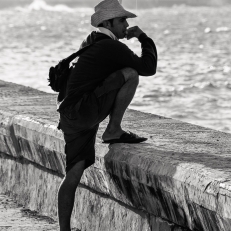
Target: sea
column 193, row 79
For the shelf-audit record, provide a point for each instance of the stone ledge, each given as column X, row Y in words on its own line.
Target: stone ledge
column 181, row 174
column 36, row 188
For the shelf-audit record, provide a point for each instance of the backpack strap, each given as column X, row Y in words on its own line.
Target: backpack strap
column 90, row 40
column 62, row 82
column 76, row 54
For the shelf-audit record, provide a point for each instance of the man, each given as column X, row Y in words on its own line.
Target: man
column 103, row 82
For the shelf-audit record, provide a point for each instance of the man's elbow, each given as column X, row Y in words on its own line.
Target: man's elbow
column 151, row 70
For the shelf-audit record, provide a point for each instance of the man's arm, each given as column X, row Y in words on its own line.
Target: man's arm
column 146, row 64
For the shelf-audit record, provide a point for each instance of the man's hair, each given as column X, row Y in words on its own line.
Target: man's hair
column 110, row 20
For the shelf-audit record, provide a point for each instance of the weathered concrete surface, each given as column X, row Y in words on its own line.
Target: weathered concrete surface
column 15, row 217
column 36, row 189
column 180, row 177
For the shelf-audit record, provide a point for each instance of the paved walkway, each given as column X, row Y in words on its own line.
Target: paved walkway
column 17, row 218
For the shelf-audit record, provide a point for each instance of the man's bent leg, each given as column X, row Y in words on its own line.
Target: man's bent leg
column 122, row 101
column 66, row 195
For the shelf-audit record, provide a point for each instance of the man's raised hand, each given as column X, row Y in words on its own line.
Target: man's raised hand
column 134, row 32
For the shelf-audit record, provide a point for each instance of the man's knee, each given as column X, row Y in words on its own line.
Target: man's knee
column 130, row 74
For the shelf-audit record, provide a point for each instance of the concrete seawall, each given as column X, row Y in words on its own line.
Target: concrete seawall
column 180, row 179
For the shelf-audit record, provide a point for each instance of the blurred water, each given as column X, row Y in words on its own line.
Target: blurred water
column 193, row 77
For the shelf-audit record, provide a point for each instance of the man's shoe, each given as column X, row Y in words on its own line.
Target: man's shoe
column 130, row 138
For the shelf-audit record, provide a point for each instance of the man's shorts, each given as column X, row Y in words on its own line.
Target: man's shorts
column 80, row 122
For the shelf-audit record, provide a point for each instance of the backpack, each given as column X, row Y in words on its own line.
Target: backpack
column 59, row 74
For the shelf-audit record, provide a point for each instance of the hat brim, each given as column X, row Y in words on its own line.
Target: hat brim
column 102, row 15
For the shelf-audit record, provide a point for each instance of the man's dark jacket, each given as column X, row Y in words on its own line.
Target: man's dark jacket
column 100, row 57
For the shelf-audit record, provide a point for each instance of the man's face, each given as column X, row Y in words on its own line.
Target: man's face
column 119, row 27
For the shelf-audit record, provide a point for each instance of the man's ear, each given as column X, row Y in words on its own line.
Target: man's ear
column 106, row 24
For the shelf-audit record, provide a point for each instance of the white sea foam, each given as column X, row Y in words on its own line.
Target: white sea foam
column 222, row 29
column 42, row 5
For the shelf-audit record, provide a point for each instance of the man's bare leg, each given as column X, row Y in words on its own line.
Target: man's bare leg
column 122, row 101
column 66, row 195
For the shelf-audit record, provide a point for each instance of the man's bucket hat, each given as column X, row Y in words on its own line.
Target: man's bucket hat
column 108, row 9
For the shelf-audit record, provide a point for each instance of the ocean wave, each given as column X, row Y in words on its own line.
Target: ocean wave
column 39, row 5
column 222, row 29
column 181, row 90
column 207, row 85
